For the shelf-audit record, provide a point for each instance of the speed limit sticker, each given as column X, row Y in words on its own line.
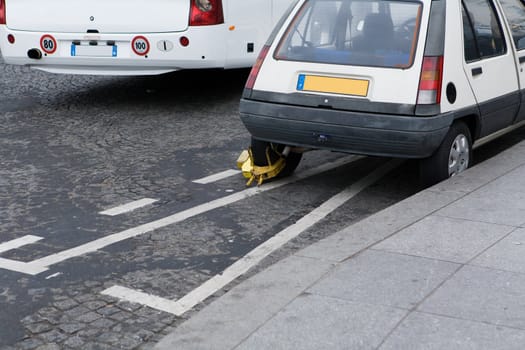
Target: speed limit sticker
column 140, row 45
column 48, row 44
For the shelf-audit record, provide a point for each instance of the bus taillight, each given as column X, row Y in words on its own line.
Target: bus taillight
column 2, row 12
column 206, row 12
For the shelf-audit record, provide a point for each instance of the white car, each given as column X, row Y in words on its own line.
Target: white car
column 135, row 37
column 424, row 79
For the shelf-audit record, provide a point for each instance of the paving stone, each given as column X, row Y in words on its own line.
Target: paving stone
column 481, row 294
column 76, row 312
column 85, row 297
column 53, row 336
column 94, row 305
column 508, row 254
column 130, row 342
column 32, row 319
column 49, row 347
column 88, row 317
column 144, row 335
column 443, row 238
column 40, row 327
column 75, row 342
column 104, row 323
column 127, row 306
column 99, row 346
column 89, row 333
column 109, row 337
column 385, row 278
column 65, row 304
column 431, row 332
column 149, row 313
column 497, row 202
column 313, row 322
column 29, row 344
column 157, row 327
column 120, row 316
column 71, row 328
column 108, row 310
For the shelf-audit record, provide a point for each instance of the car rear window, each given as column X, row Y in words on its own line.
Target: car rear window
column 353, row 32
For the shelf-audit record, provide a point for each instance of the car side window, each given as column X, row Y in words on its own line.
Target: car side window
column 485, row 29
column 515, row 13
column 469, row 41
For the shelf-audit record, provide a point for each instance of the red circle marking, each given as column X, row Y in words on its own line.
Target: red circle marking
column 141, row 51
column 43, row 45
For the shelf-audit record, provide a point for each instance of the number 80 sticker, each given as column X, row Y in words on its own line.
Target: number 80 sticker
column 140, row 45
column 48, row 44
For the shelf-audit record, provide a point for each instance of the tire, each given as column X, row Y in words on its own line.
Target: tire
column 452, row 157
column 259, row 156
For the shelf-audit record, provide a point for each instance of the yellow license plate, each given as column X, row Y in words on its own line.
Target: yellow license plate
column 344, row 86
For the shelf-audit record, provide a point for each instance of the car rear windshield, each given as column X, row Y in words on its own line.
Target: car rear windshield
column 353, row 32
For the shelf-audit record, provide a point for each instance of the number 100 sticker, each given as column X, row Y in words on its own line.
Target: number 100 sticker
column 48, row 44
column 140, row 45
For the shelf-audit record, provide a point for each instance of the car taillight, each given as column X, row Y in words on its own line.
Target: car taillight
column 256, row 67
column 430, row 81
column 2, row 12
column 206, row 12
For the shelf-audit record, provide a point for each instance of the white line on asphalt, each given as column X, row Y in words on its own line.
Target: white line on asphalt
column 19, row 242
column 217, row 177
column 37, row 266
column 53, row 275
column 126, row 208
column 22, row 267
column 139, row 297
column 254, row 257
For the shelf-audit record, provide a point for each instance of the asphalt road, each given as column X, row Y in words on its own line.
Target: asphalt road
column 74, row 146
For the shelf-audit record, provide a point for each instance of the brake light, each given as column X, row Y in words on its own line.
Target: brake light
column 206, row 12
column 2, row 12
column 257, row 67
column 430, row 81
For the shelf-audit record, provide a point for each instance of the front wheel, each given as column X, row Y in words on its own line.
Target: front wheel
column 259, row 149
column 453, row 156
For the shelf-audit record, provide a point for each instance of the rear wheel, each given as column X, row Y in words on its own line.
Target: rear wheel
column 275, row 151
column 453, row 156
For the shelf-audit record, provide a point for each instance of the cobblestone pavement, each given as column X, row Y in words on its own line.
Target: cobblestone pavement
column 72, row 146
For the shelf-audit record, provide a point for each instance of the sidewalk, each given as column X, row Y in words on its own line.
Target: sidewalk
column 444, row 269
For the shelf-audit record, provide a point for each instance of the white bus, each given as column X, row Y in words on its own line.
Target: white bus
column 135, row 37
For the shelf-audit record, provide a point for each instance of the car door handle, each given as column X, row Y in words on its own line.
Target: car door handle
column 477, row 71
column 522, row 59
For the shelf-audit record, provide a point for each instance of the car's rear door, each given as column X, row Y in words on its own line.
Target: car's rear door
column 490, row 65
column 514, row 11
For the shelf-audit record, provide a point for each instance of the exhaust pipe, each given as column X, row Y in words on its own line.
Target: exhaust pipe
column 34, row 54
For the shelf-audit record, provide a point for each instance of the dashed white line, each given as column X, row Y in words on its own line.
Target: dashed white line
column 254, row 257
column 40, row 265
column 19, row 242
column 217, row 177
column 126, row 208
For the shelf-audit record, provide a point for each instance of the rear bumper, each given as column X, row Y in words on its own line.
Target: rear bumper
column 165, row 54
column 402, row 136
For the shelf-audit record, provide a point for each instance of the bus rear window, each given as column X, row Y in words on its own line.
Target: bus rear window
column 353, row 32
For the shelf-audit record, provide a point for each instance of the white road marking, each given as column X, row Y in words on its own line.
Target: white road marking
column 19, row 242
column 139, row 297
column 40, row 265
column 21, row 267
column 216, row 177
column 53, row 275
column 126, row 208
column 254, row 257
